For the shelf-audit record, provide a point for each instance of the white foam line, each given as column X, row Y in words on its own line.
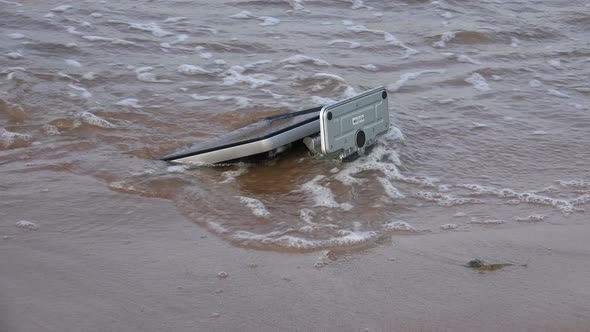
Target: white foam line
column 266, row 20
column 257, row 207
column 7, row 138
column 300, row 58
column 348, row 238
column 61, row 9
column 297, row 4
column 234, row 75
column 390, row 190
column 129, row 102
column 187, row 69
column 388, row 37
column 11, row 3
column 565, row 206
column 323, row 196
column 351, row 44
column 94, row 120
column 230, row 176
column 556, row 93
column 478, row 82
column 84, row 93
column 446, row 199
column 444, row 39
column 399, row 225
column 405, row 78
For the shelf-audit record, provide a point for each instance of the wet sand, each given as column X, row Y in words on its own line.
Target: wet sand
column 135, row 264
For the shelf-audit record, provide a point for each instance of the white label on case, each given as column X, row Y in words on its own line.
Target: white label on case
column 358, row 119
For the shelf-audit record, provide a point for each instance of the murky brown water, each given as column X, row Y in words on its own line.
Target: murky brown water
column 489, row 101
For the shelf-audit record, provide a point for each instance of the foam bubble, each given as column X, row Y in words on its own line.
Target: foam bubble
column 97, row 38
column 257, row 64
column 556, row 93
column 297, row 4
column 444, row 39
column 175, row 19
column 96, row 15
column 243, row 15
column 73, row 63
column 532, row 218
column 72, row 30
column 446, row 199
column 89, row 76
column 230, row 176
column 317, row 100
column 487, row 221
column 306, row 215
column 447, row 227
column 446, row 14
column 144, row 75
column 446, row 101
column 129, row 102
column 465, row 58
column 578, row 183
column 15, row 35
column 351, row 44
column 220, row 62
column 268, row 21
column 580, row 200
column 399, row 225
column 357, row 4
column 14, row 55
column 27, row 225
column 478, row 82
column 9, row 139
column 83, row 92
column 191, row 70
column 117, row 41
column 199, row 97
column 234, row 75
column 152, row 27
column 382, row 160
column 370, row 67
column 61, row 9
column 176, row 169
column 94, row 120
column 535, row 83
column 257, row 207
column 555, row 63
column 51, row 130
column 300, row 58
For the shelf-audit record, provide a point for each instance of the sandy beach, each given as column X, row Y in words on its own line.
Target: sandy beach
column 137, row 265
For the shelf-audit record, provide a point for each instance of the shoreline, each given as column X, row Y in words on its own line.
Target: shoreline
column 151, row 269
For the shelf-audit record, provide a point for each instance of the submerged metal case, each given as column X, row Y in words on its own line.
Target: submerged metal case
column 262, row 136
column 351, row 125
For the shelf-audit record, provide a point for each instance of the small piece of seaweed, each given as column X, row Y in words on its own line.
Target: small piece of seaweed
column 482, row 266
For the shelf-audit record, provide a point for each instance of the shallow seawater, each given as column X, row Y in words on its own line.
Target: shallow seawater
column 489, row 103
